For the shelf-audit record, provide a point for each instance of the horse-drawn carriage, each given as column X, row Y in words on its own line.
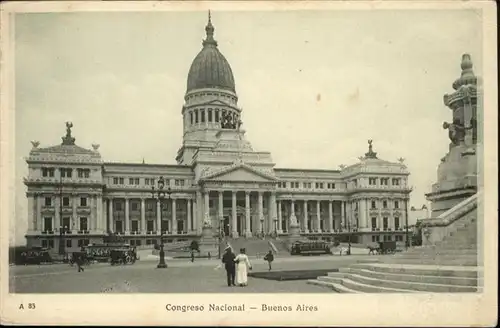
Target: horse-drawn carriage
column 310, row 247
column 383, row 247
column 122, row 256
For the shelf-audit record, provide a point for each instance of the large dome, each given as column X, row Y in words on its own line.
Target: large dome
column 210, row 68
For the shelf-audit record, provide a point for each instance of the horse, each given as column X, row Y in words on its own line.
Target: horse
column 373, row 250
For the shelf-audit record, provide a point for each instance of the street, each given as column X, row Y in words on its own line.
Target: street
column 181, row 276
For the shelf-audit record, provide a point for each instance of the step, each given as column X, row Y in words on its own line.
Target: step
column 436, row 255
column 336, row 287
column 430, row 279
column 431, row 270
column 361, row 287
column 439, row 262
column 416, row 286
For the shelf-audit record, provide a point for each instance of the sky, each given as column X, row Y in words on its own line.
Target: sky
column 314, row 86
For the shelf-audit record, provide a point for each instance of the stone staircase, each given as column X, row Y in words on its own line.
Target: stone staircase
column 449, row 266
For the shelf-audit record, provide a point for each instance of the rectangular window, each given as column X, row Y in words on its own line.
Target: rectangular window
column 191, row 117
column 374, row 204
column 196, row 116
column 80, row 242
column 83, row 224
column 135, row 225
column 48, row 201
column 217, row 116
column 135, row 206
column 118, row 205
column 138, row 242
column 395, row 182
column 119, row 226
column 130, row 181
column 396, row 223
column 115, row 181
column 47, row 224
column 150, row 225
column 83, row 201
column 69, row 243
column 210, row 115
column 396, row 204
column 136, row 181
column 202, row 116
column 284, row 184
column 374, row 238
column 372, row 181
column 45, row 173
column 374, row 223
column 146, row 181
column 45, row 244
column 384, row 204
column 65, row 201
column 386, row 223
column 51, row 243
column 86, row 173
column 66, row 223
column 122, row 181
column 182, row 183
column 51, row 172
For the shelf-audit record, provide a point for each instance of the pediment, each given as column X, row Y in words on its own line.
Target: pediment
column 240, row 173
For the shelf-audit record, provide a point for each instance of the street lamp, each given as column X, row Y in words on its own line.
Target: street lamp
column 262, row 227
column 62, row 231
column 276, row 227
column 159, row 194
column 221, row 225
column 406, row 219
column 349, row 234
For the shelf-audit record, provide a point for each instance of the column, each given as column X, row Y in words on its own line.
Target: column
column 234, row 224
column 189, row 227
column 280, row 218
column 39, row 218
column 57, row 216
column 111, row 225
column 31, row 212
column 99, row 226
column 342, row 213
column 195, row 215
column 362, row 212
column 272, row 209
column 127, row 216
column 174, row 216
column 248, row 231
column 318, row 218
column 143, row 215
column 330, row 216
column 158, row 216
column 305, row 217
column 74, row 220
column 92, row 221
column 220, row 208
column 206, row 203
column 261, row 214
column 198, row 221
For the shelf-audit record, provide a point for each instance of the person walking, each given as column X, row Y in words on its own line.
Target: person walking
column 269, row 258
column 242, row 267
column 192, row 255
column 230, row 265
column 79, row 262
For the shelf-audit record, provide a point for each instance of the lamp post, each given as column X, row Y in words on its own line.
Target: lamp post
column 159, row 194
column 61, row 246
column 62, row 232
column 406, row 222
column 349, row 242
column 262, row 227
column 221, row 226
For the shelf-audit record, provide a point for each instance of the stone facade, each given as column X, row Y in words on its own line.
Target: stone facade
column 219, row 182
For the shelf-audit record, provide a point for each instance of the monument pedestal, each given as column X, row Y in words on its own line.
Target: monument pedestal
column 293, row 231
column 457, row 179
column 208, row 244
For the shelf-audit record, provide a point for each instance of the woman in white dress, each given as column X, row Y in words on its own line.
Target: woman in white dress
column 242, row 267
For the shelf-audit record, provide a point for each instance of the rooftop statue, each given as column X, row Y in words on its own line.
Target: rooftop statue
column 68, row 140
column 35, row 144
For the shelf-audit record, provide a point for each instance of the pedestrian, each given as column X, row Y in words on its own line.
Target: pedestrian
column 79, row 262
column 242, row 267
column 230, row 266
column 209, row 256
column 269, row 258
column 192, row 255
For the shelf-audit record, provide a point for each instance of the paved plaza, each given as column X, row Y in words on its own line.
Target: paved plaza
column 182, row 276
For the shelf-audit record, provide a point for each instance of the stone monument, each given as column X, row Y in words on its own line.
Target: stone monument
column 457, row 172
column 294, row 228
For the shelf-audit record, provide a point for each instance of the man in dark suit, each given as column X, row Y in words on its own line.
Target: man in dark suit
column 228, row 260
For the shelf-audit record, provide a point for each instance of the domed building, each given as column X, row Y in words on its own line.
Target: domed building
column 220, row 185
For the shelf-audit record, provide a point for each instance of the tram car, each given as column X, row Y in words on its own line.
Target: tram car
column 122, row 256
column 386, row 247
column 33, row 255
column 310, row 247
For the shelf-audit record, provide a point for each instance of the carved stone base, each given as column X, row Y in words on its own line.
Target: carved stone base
column 234, row 234
column 248, row 234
